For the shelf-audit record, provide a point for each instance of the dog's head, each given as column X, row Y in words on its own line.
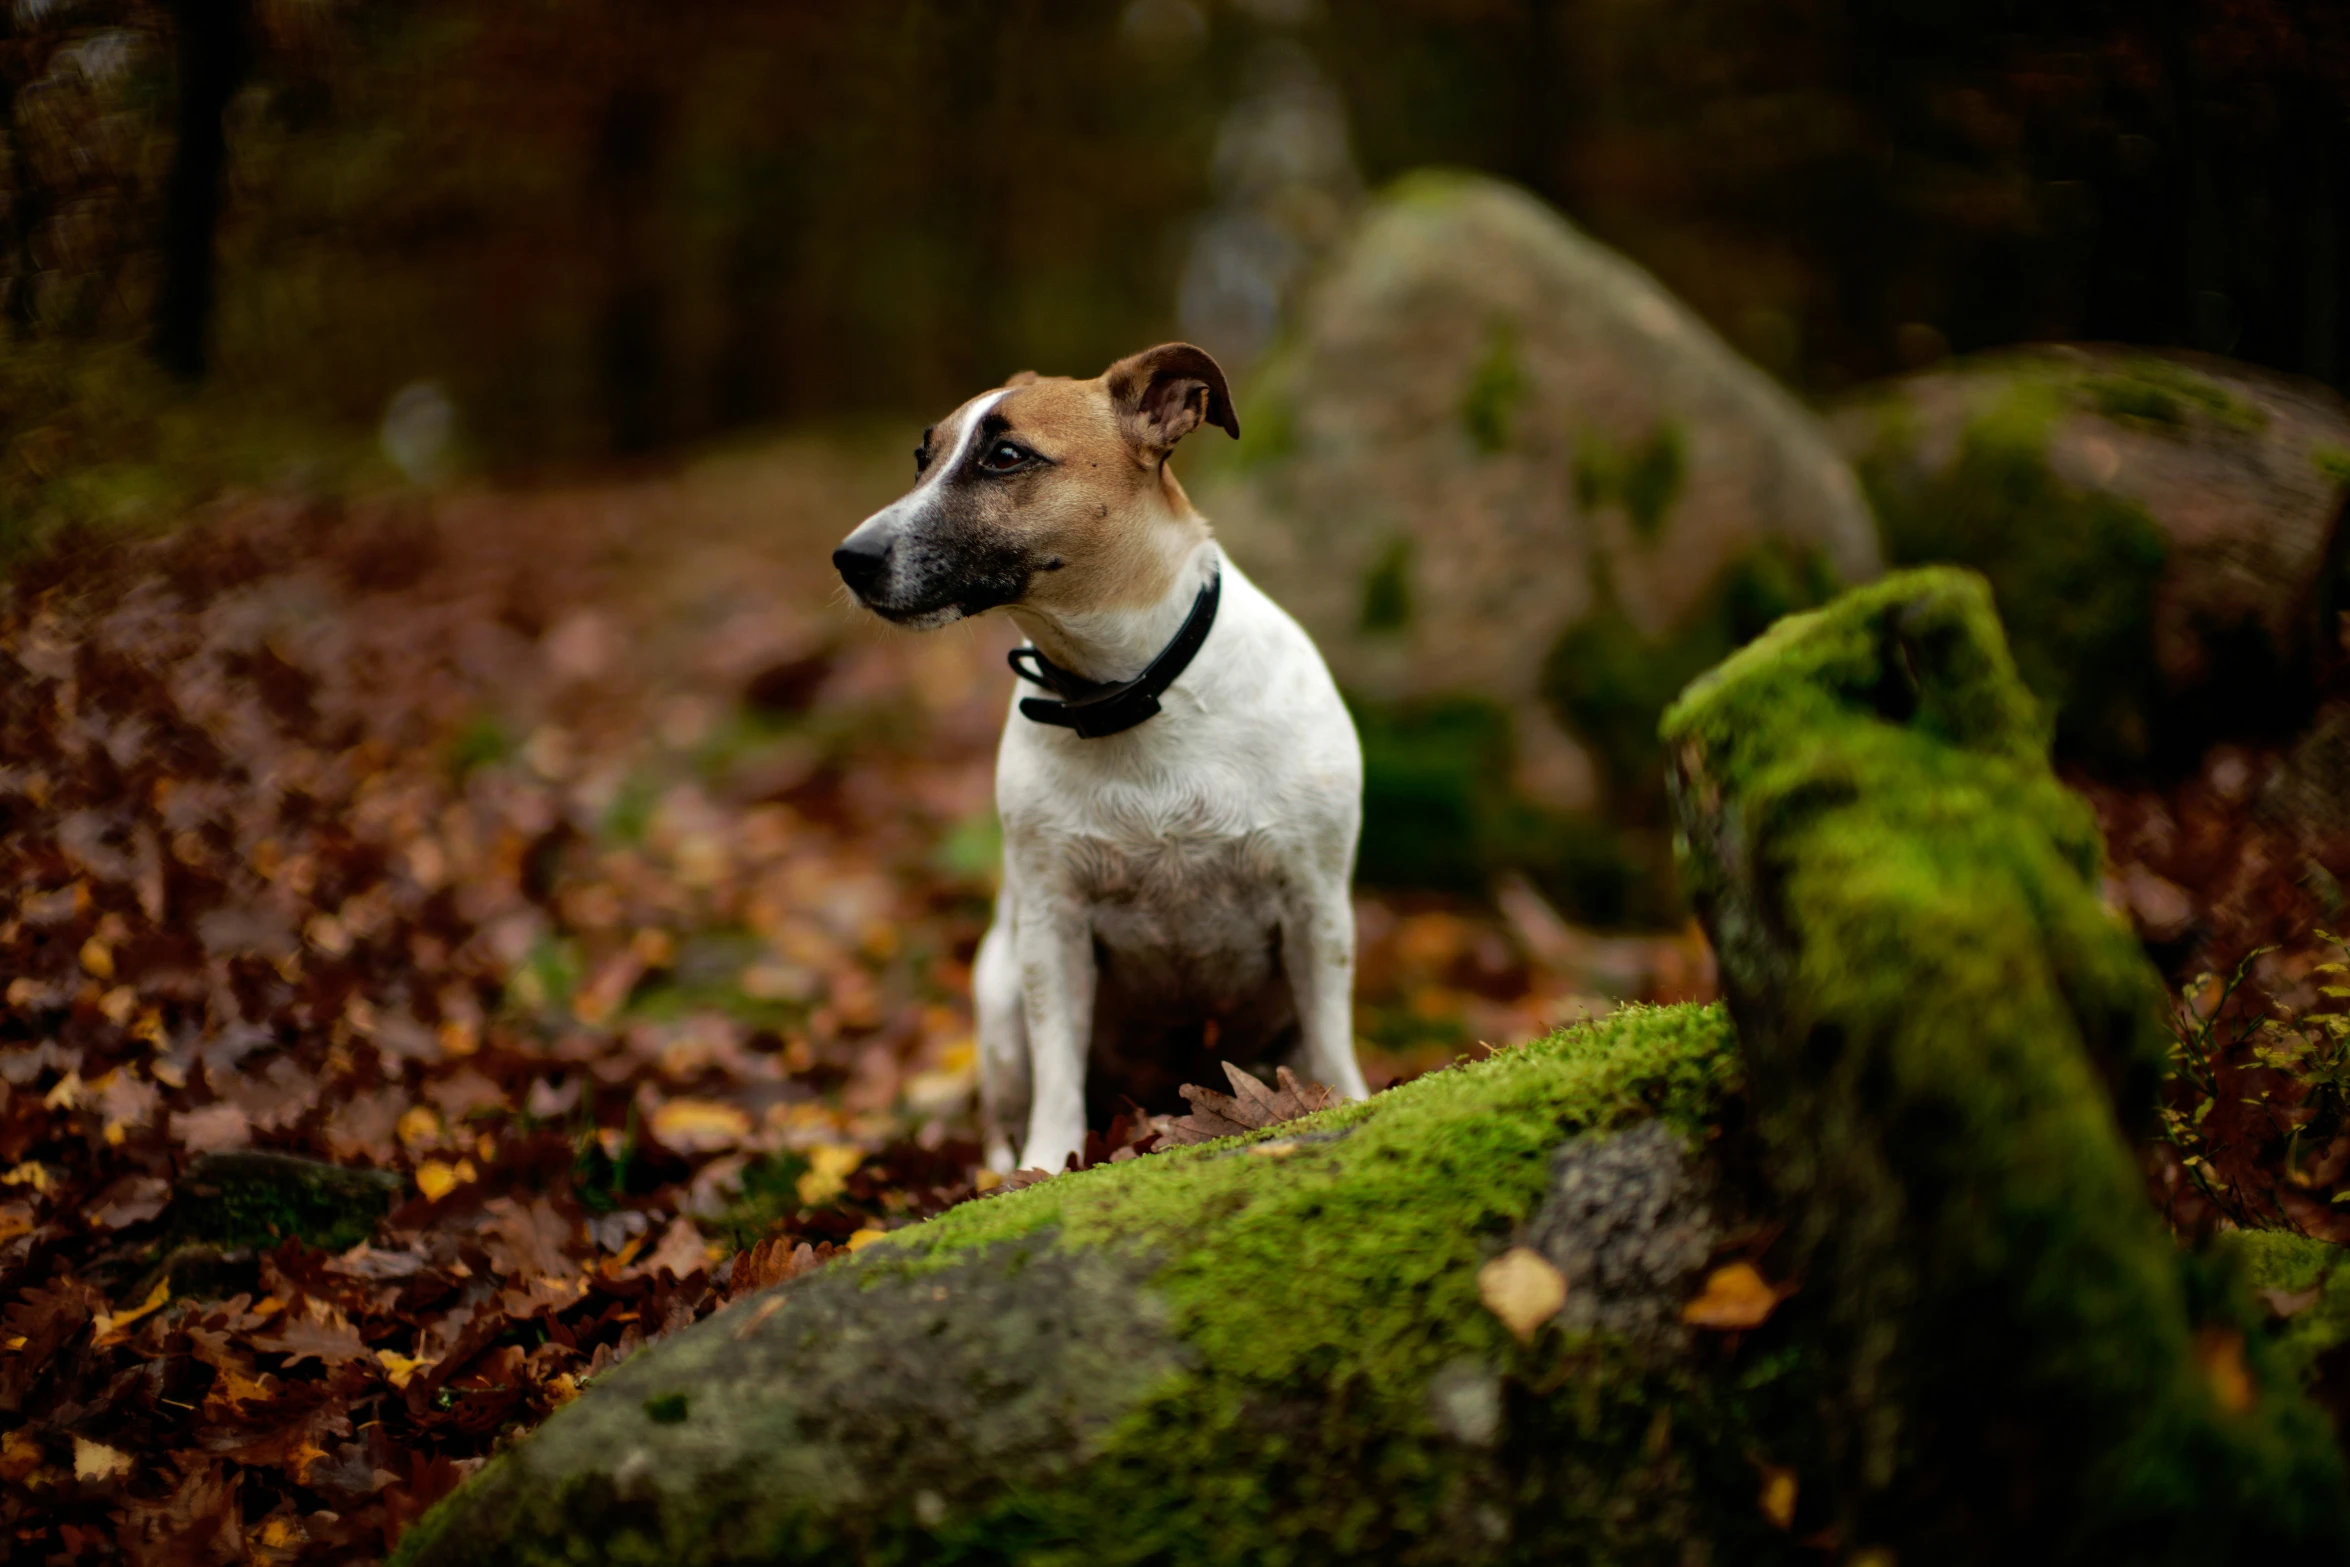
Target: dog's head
column 1047, row 493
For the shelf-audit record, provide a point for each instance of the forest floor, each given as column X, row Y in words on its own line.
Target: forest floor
column 581, row 859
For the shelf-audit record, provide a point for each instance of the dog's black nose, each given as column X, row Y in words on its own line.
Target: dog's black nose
column 860, row 565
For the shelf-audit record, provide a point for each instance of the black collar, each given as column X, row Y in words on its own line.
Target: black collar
column 1095, row 709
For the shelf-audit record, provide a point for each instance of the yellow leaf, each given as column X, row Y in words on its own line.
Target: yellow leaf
column 31, row 1173
column 1278, row 1148
column 986, row 1181
column 419, row 1126
column 1523, row 1288
column 865, row 1238
column 563, row 1388
column 1777, row 1500
column 281, row 1533
column 119, row 1005
column 437, row 1178
column 20, row 1454
column 65, row 1095
column 460, row 1036
column 700, row 1125
column 401, row 1368
column 111, row 1329
column 1735, row 1296
column 97, row 1461
column 827, row 1175
column 97, row 960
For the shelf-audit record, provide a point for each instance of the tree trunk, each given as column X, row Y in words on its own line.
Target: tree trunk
column 211, row 44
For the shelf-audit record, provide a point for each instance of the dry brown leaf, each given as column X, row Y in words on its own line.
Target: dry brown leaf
column 1250, row 1107
column 2219, row 1354
column 1524, row 1289
column 97, row 1461
column 1736, row 1296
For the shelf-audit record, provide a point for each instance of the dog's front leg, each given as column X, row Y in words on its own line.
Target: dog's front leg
column 1055, row 945
column 1318, row 954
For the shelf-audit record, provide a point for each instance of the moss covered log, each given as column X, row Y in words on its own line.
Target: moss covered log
column 1949, row 1045
column 1277, row 1349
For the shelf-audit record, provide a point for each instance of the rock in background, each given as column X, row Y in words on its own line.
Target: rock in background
column 2162, row 534
column 1520, row 495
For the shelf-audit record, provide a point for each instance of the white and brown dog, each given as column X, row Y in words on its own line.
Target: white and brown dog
column 1180, row 815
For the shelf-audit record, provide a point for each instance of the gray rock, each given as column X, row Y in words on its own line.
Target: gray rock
column 2160, row 531
column 1485, row 429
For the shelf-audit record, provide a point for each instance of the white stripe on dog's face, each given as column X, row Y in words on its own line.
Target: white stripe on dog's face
column 1049, row 494
column 964, row 423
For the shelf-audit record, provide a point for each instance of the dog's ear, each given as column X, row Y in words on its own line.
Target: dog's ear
column 1021, row 378
column 1163, row 394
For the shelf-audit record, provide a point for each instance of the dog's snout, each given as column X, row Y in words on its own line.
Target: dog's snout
column 860, row 562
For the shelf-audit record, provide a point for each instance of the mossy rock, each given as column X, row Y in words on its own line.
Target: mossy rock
column 1260, row 1350
column 2162, row 533
column 1950, row 1046
column 1489, row 450
column 1275, row 1349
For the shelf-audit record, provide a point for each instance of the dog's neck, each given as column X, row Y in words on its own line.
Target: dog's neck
column 1109, row 645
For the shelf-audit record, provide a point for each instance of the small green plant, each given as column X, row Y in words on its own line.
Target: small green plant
column 2255, row 1082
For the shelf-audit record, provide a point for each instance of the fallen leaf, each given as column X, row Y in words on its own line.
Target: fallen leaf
column 1735, row 1296
column 701, row 1125
column 827, row 1175
column 1250, row 1107
column 436, row 1178
column 2219, row 1354
column 20, row 1455
column 97, row 1461
column 1524, row 1289
column 401, row 1369
column 114, row 1329
column 1777, row 1499
column 864, row 1238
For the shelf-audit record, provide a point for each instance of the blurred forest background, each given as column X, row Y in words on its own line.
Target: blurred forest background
column 603, row 231
column 434, row 742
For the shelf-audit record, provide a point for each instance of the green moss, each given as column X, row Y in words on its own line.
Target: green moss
column 2331, row 461
column 1387, row 589
column 1609, row 683
column 2074, row 571
column 236, row 1200
column 2281, row 1263
column 1644, row 479
column 1497, row 388
column 1934, row 1005
column 668, row 1409
column 1441, row 812
column 2166, row 396
column 1205, row 1356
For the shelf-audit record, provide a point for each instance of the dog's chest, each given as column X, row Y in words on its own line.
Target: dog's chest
column 1181, row 891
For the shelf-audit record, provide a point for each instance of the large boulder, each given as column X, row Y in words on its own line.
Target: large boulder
column 2163, row 533
column 1520, row 495
column 1600, row 1298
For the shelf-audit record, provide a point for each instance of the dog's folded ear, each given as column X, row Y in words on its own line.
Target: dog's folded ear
column 1021, row 378
column 1163, row 394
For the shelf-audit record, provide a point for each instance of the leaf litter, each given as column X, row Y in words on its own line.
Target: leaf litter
column 566, row 857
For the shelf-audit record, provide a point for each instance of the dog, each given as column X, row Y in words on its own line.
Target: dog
column 1180, row 812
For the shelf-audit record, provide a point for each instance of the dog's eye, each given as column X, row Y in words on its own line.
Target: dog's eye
column 1003, row 457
